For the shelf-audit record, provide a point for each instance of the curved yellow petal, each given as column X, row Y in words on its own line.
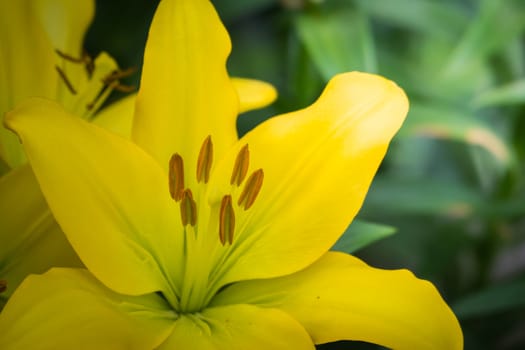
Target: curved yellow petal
column 70, row 309
column 238, row 327
column 253, row 94
column 185, row 92
column 341, row 298
column 66, row 22
column 118, row 116
column 110, row 198
column 318, row 164
column 32, row 241
column 26, row 66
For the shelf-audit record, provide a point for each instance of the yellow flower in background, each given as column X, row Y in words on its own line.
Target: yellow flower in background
column 195, row 239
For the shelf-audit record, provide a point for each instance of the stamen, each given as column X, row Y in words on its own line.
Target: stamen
column 176, row 177
column 66, row 80
column 240, row 168
column 111, row 81
column 118, row 74
column 86, row 59
column 205, row 160
column 188, row 208
column 226, row 220
column 3, row 286
column 251, row 189
column 69, row 57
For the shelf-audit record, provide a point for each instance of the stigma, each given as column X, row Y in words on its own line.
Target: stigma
column 231, row 203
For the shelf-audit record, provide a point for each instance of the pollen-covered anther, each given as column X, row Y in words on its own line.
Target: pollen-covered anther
column 3, row 286
column 226, row 220
column 176, row 177
column 251, row 189
column 188, row 208
column 205, row 160
column 65, row 79
column 240, row 168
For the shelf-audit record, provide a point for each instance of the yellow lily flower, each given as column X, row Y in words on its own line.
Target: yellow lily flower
column 194, row 239
column 46, row 59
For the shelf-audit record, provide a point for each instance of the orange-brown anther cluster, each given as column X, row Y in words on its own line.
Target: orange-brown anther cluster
column 184, row 196
column 3, row 285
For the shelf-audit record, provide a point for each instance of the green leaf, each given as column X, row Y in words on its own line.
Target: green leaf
column 509, row 94
column 497, row 23
column 337, row 40
column 423, row 197
column 419, row 15
column 361, row 234
column 454, row 124
column 493, row 299
column 233, row 9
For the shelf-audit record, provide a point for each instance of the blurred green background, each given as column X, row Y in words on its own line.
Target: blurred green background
column 449, row 200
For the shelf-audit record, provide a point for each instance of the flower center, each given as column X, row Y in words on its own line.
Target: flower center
column 209, row 229
column 188, row 205
column 88, row 85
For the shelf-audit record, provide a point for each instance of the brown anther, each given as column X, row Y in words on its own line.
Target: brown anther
column 124, row 88
column 205, row 160
column 251, row 189
column 118, row 74
column 69, row 57
column 226, row 220
column 176, row 177
column 188, row 208
column 240, row 168
column 3, row 286
column 66, row 80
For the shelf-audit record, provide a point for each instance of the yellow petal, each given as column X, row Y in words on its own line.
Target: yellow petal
column 66, row 22
column 110, row 198
column 341, row 298
column 31, row 240
column 118, row 116
column 318, row 164
column 26, row 66
column 253, row 94
column 70, row 309
column 185, row 92
column 238, row 327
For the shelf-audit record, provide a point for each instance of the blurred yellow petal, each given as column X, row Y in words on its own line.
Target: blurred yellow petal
column 66, row 22
column 341, row 298
column 318, row 164
column 69, row 309
column 110, row 198
column 253, row 94
column 118, row 116
column 185, row 92
column 32, row 241
column 26, row 66
column 238, row 327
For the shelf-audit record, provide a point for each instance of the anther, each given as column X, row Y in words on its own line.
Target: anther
column 188, row 208
column 3, row 286
column 66, row 80
column 251, row 189
column 176, row 177
column 226, row 220
column 205, row 160
column 240, row 168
